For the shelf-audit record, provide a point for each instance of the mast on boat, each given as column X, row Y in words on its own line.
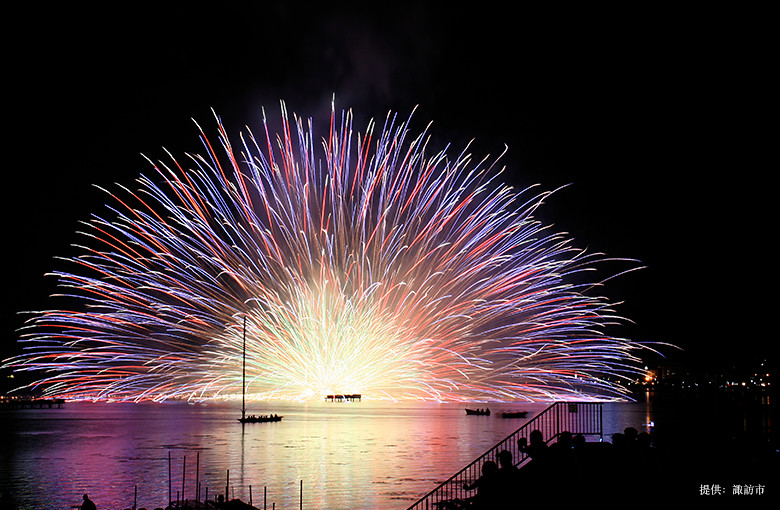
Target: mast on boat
column 243, row 378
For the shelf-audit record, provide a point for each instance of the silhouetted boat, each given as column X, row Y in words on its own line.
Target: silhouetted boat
column 251, row 418
column 258, row 419
column 479, row 412
column 514, row 414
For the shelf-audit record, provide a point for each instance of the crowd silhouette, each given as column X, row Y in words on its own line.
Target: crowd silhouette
column 566, row 470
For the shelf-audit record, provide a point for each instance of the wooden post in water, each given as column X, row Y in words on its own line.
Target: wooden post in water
column 227, row 484
column 135, row 497
column 250, row 495
column 301, row 495
column 265, row 492
column 170, row 495
column 183, row 476
column 197, row 478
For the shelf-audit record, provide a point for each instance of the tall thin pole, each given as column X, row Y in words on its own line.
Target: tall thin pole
column 170, row 495
column 183, row 476
column 243, row 378
column 197, row 478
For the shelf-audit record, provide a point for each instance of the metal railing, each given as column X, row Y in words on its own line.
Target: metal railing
column 584, row 418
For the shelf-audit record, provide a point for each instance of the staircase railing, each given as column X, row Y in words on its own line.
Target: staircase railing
column 583, row 418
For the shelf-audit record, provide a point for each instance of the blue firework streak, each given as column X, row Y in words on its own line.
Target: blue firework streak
column 361, row 264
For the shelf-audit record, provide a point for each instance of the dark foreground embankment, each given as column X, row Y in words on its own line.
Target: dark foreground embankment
column 704, row 448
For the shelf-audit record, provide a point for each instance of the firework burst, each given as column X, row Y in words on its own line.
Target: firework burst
column 370, row 267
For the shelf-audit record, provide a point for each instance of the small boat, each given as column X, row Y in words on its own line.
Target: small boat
column 259, row 419
column 514, row 414
column 478, row 412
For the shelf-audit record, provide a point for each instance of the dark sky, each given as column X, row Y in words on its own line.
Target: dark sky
column 658, row 120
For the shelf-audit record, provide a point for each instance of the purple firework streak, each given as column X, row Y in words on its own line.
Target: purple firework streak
column 365, row 266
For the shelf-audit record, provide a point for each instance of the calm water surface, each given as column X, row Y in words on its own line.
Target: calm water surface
column 348, row 455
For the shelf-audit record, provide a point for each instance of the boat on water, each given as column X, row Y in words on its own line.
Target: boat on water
column 478, row 412
column 514, row 414
column 251, row 418
column 259, row 419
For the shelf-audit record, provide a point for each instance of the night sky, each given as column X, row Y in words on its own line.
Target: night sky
column 659, row 122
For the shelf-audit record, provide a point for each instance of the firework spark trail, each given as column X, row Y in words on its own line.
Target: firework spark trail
column 372, row 268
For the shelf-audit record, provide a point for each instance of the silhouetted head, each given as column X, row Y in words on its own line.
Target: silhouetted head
column 536, row 437
column 489, row 467
column 505, row 458
column 630, row 433
column 86, row 497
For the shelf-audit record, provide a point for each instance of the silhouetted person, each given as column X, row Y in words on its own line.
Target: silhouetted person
column 536, row 449
column 509, row 479
column 565, row 441
column 506, row 466
column 487, row 495
column 88, row 504
column 627, row 462
column 537, row 473
column 563, row 467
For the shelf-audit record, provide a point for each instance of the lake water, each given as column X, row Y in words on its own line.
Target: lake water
column 348, row 455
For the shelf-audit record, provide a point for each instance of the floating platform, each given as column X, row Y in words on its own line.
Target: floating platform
column 355, row 397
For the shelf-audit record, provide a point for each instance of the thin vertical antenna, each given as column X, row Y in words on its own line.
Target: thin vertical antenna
column 243, row 379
